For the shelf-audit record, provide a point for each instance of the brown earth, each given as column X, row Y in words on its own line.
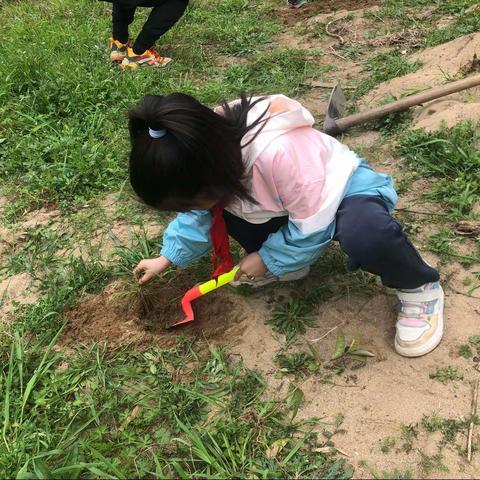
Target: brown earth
column 124, row 314
column 291, row 16
column 442, row 63
column 390, row 391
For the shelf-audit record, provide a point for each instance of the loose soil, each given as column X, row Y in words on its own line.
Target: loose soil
column 292, row 16
column 377, row 400
column 124, row 314
column 450, row 60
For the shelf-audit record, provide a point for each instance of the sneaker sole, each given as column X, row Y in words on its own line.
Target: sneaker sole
column 117, row 58
column 431, row 344
column 268, row 281
column 134, row 65
column 131, row 66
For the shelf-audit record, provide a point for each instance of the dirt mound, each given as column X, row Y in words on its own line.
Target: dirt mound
column 124, row 315
column 291, row 17
column 443, row 61
column 447, row 61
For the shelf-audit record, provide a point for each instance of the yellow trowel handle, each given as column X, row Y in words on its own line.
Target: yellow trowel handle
column 218, row 282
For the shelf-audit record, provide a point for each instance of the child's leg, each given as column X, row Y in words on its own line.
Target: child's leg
column 251, row 235
column 376, row 243
column 164, row 15
column 122, row 17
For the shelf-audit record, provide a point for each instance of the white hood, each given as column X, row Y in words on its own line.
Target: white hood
column 283, row 114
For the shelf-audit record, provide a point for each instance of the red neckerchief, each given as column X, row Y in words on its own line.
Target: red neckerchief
column 222, row 258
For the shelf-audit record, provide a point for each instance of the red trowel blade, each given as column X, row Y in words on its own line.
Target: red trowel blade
column 186, row 303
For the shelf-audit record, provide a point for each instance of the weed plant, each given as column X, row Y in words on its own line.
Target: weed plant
column 451, row 157
column 136, row 415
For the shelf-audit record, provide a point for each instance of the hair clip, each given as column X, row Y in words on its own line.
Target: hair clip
column 157, row 133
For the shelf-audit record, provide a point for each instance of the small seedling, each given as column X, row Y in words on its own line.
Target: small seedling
column 465, row 351
column 447, row 374
column 474, row 341
column 298, row 363
column 429, row 463
column 395, row 475
column 351, row 354
column 295, row 399
column 387, row 444
column 292, row 318
column 449, row 427
column 408, row 435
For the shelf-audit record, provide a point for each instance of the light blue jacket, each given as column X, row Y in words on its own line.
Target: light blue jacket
column 187, row 238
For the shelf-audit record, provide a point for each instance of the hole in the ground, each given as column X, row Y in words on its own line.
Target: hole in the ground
column 124, row 315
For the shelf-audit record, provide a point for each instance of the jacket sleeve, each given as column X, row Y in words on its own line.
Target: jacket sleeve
column 187, row 237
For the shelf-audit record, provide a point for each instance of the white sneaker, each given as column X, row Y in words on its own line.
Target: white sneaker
column 269, row 278
column 420, row 320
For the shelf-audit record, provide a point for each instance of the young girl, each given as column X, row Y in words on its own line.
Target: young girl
column 164, row 14
column 257, row 169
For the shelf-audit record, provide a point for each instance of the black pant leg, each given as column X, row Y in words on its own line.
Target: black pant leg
column 122, row 17
column 375, row 242
column 251, row 235
column 164, row 15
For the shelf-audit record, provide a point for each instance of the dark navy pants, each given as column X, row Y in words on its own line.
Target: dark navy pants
column 371, row 238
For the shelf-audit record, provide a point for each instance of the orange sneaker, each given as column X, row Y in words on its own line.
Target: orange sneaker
column 118, row 50
column 149, row 58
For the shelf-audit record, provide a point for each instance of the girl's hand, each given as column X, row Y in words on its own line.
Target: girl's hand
column 151, row 267
column 252, row 266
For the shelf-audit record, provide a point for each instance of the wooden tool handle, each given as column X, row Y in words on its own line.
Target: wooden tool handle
column 407, row 102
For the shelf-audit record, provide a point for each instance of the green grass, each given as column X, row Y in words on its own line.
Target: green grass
column 191, row 411
column 465, row 351
column 447, row 374
column 395, row 474
column 406, row 14
column 449, row 427
column 384, row 66
column 63, row 105
column 432, row 463
column 297, row 363
column 450, row 157
column 129, row 414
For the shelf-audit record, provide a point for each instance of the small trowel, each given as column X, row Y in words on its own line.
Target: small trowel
column 199, row 291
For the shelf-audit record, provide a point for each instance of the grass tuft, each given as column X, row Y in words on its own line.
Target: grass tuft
column 451, row 157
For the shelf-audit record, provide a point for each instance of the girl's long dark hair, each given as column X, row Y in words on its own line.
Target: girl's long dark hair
column 200, row 153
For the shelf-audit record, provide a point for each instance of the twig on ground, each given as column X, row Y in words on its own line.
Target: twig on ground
column 472, row 422
column 334, row 52
column 458, row 292
column 418, row 212
column 331, row 34
column 326, row 334
column 341, row 452
column 467, row 228
column 328, row 85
